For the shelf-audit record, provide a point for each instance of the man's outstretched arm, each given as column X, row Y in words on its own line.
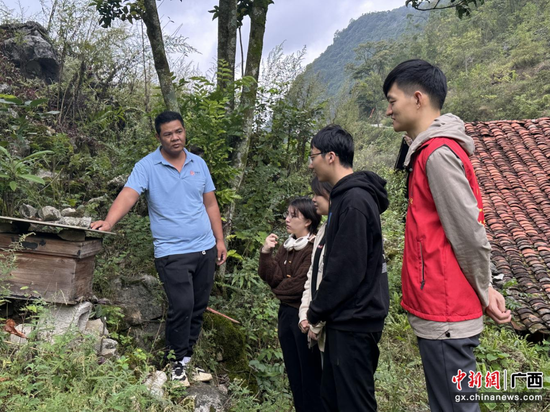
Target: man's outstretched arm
column 125, row 200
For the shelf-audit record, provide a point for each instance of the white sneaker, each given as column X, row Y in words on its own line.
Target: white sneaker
column 200, row 375
column 179, row 375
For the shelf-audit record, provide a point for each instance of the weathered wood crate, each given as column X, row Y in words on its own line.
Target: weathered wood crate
column 56, row 270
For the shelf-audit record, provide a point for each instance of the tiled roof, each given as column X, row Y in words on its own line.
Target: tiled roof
column 512, row 164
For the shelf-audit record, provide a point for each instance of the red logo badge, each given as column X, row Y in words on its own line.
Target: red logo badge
column 192, row 173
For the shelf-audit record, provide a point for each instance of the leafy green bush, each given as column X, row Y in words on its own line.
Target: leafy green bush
column 15, row 174
column 66, row 375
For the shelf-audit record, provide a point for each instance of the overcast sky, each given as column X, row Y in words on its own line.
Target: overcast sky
column 297, row 23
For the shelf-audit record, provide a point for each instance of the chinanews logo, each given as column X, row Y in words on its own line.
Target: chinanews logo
column 525, row 382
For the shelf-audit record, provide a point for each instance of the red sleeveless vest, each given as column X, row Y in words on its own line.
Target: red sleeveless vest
column 434, row 286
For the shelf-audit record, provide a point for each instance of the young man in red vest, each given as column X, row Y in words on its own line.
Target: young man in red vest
column 446, row 276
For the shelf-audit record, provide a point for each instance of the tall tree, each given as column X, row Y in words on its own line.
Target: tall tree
column 154, row 33
column 230, row 15
column 258, row 15
column 145, row 10
column 241, row 144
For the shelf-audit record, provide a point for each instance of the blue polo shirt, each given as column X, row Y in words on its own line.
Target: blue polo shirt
column 179, row 222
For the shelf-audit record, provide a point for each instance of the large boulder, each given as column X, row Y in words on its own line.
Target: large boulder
column 208, row 398
column 28, row 46
column 141, row 299
column 59, row 318
column 143, row 304
column 228, row 342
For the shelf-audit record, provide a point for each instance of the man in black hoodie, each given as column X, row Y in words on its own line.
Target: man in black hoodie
column 353, row 297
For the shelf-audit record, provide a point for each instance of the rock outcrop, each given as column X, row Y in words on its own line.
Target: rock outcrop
column 28, row 46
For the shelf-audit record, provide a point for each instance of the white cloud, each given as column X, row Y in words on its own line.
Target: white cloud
column 297, row 23
column 312, row 23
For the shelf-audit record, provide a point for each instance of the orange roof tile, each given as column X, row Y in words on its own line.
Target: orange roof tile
column 512, row 164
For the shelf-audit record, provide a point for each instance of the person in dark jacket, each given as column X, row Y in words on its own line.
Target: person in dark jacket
column 286, row 274
column 353, row 298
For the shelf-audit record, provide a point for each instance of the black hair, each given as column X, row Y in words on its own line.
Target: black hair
column 321, row 188
column 421, row 75
column 167, row 117
column 334, row 138
column 307, row 208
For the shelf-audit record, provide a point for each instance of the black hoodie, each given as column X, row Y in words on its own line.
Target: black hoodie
column 353, row 294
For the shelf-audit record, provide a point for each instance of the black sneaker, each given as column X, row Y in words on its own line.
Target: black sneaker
column 178, row 373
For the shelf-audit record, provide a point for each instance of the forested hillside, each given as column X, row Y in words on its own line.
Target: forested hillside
column 71, row 141
column 386, row 25
column 497, row 61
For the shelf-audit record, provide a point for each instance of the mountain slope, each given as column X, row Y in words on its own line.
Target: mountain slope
column 386, row 25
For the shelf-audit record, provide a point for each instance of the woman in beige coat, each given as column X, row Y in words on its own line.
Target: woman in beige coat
column 321, row 199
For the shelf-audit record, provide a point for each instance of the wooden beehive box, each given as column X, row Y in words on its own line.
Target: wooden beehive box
column 56, row 270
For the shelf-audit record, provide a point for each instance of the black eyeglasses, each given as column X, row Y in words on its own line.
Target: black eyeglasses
column 311, row 156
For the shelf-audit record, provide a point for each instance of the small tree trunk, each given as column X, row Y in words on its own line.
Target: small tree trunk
column 154, row 33
column 242, row 51
column 227, row 46
column 52, row 13
column 248, row 100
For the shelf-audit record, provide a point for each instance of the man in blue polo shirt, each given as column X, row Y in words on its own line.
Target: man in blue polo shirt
column 187, row 232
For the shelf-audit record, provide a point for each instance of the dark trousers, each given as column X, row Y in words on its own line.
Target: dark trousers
column 187, row 281
column 441, row 360
column 303, row 365
column 350, row 360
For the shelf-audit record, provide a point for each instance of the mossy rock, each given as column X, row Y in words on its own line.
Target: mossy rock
column 229, row 339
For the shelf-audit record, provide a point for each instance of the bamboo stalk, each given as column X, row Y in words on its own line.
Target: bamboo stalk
column 215, row 312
